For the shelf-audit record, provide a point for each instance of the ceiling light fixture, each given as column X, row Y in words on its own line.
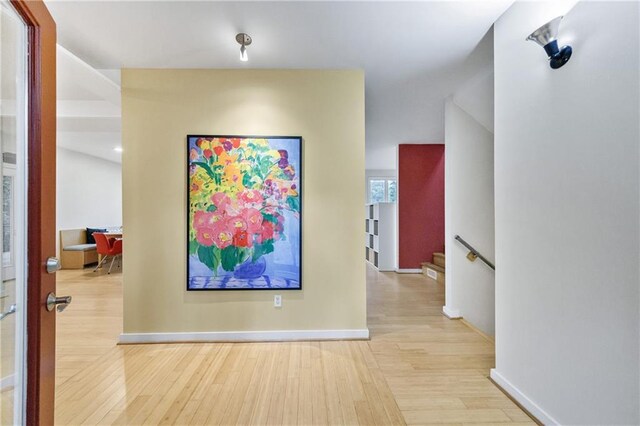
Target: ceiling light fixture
column 244, row 40
column 118, row 149
column 546, row 36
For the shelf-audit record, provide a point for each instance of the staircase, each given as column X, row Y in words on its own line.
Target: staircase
column 435, row 268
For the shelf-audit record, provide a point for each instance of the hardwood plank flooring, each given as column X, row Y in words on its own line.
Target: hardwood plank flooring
column 418, row 368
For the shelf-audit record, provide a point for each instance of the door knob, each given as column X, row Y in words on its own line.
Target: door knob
column 60, row 302
column 53, row 265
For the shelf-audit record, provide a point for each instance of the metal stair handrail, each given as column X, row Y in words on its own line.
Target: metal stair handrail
column 473, row 253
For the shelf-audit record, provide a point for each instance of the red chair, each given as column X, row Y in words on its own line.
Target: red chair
column 107, row 247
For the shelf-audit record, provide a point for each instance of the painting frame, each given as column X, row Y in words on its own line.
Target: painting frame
column 300, row 180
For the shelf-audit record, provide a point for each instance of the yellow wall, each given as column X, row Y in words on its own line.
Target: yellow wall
column 159, row 109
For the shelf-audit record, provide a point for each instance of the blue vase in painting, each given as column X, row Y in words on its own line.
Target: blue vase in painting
column 250, row 270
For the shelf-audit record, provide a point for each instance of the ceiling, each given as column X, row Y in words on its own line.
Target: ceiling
column 88, row 106
column 412, row 52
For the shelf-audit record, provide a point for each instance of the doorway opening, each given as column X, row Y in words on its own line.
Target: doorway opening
column 89, row 232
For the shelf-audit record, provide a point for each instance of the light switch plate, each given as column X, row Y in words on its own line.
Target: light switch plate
column 277, row 301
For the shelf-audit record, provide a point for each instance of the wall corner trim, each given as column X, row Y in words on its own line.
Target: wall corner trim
column 451, row 313
column 408, row 271
column 533, row 408
column 244, row 336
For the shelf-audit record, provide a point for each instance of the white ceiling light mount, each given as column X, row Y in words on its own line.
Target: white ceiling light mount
column 243, row 40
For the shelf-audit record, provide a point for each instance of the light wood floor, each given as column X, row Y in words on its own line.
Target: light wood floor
column 418, row 368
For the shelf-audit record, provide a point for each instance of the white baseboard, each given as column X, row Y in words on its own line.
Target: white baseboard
column 244, row 336
column 451, row 313
column 7, row 382
column 408, row 271
column 533, row 408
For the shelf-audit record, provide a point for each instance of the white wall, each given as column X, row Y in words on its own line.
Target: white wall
column 475, row 95
column 89, row 191
column 567, row 214
column 469, row 194
column 469, row 213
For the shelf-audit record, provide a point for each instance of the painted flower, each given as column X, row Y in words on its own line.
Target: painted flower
column 207, row 153
column 203, row 143
column 203, row 219
column 196, row 183
column 266, row 232
column 233, row 208
column 226, row 159
column 220, row 200
column 232, row 173
column 205, row 236
column 242, row 239
column 227, row 145
column 222, row 236
column 288, row 171
column 289, row 189
column 253, row 219
column 252, row 196
column 284, row 158
column 193, row 154
column 236, row 224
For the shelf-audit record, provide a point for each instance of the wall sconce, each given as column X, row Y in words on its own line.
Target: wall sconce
column 244, row 40
column 546, row 36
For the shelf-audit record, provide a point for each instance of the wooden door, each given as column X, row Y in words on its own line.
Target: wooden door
column 41, row 208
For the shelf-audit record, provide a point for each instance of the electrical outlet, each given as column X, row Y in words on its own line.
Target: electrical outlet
column 277, row 301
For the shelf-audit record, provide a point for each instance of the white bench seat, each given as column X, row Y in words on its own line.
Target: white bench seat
column 75, row 253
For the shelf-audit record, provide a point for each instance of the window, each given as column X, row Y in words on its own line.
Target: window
column 392, row 190
column 377, row 191
column 383, row 190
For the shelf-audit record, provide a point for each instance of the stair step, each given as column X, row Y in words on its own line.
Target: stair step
column 438, row 259
column 428, row 268
column 433, row 266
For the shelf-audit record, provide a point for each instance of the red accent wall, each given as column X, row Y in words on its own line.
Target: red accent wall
column 420, row 203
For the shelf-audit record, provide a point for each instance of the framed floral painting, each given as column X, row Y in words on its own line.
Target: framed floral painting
column 244, row 213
